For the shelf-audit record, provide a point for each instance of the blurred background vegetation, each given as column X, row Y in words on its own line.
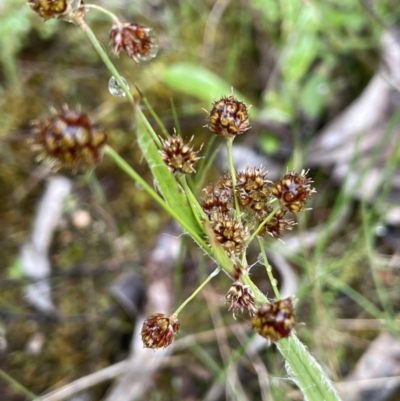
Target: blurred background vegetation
column 299, row 63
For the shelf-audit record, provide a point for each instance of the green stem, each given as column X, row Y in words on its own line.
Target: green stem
column 106, row 60
column 306, row 372
column 18, row 386
column 103, row 10
column 268, row 267
column 201, row 286
column 110, row 152
column 229, row 142
column 269, row 217
column 194, row 204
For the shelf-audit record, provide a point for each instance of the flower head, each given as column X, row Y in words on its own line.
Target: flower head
column 240, row 297
column 293, row 190
column 68, row 139
column 159, row 329
column 219, row 196
column 276, row 320
column 228, row 117
column 138, row 41
column 64, row 9
column 229, row 232
column 253, row 188
column 276, row 224
column 178, row 155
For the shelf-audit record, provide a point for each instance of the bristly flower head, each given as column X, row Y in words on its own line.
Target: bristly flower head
column 219, row 196
column 159, row 329
column 253, row 188
column 240, row 297
column 178, row 155
column 293, row 190
column 230, row 233
column 276, row 225
column 276, row 320
column 63, row 9
column 138, row 41
column 228, row 117
column 69, row 139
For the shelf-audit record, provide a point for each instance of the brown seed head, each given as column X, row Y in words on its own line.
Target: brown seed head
column 178, row 155
column 293, row 190
column 276, row 320
column 276, row 225
column 159, row 329
column 240, row 297
column 68, row 139
column 219, row 196
column 64, row 9
column 228, row 117
column 229, row 232
column 138, row 41
column 253, row 188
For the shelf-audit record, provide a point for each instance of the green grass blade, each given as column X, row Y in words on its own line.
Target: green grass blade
column 166, row 182
column 305, row 371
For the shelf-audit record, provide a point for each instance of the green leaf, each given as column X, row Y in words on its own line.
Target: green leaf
column 198, row 82
column 166, row 183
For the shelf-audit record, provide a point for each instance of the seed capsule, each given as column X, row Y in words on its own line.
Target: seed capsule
column 230, row 233
column 240, row 297
column 276, row 320
column 159, row 329
column 68, row 139
column 178, row 155
column 293, row 190
column 138, row 41
column 228, row 117
column 64, row 9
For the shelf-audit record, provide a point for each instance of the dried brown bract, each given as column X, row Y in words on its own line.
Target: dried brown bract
column 178, row 155
column 230, row 233
column 69, row 139
column 139, row 42
column 293, row 190
column 228, row 117
column 64, row 9
column 159, row 329
column 240, row 297
column 276, row 320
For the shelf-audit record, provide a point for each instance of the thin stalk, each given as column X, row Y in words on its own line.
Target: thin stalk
column 229, row 142
column 205, row 164
column 199, row 288
column 18, row 386
column 175, row 117
column 194, row 204
column 106, row 60
column 156, row 119
column 110, row 152
column 268, row 267
column 268, row 218
column 103, row 10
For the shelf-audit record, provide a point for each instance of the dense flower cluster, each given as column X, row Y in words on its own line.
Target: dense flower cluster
column 69, row 139
column 64, row 9
column 159, row 329
column 230, row 233
column 138, row 41
column 178, row 155
column 240, row 297
column 275, row 320
column 228, row 117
